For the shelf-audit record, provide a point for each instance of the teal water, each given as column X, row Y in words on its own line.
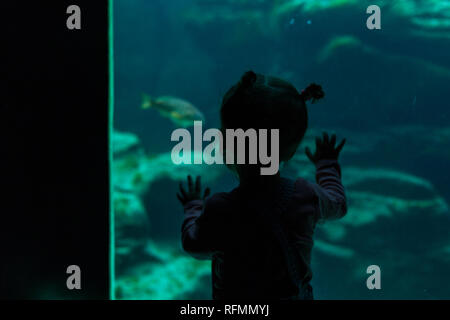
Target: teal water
column 386, row 92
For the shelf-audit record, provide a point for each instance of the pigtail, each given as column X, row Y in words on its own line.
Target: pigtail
column 313, row 92
column 247, row 80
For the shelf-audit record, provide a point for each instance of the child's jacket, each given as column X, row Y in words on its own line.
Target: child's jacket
column 248, row 260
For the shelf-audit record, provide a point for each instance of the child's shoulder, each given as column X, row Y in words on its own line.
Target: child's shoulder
column 220, row 199
column 304, row 188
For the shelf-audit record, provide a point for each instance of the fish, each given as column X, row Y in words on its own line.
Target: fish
column 181, row 112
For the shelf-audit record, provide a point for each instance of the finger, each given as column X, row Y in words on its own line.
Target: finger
column 190, row 184
column 333, row 140
column 183, row 192
column 180, row 198
column 318, row 142
column 207, row 192
column 309, row 154
column 325, row 137
column 198, row 188
column 340, row 146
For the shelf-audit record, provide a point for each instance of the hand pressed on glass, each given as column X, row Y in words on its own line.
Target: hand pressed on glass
column 192, row 192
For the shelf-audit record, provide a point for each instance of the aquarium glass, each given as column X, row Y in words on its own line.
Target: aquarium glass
column 386, row 92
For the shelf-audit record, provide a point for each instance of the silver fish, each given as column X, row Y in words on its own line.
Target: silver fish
column 179, row 111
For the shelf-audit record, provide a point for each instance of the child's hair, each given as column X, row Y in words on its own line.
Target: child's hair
column 265, row 102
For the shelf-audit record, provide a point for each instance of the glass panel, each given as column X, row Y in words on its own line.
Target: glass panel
column 385, row 92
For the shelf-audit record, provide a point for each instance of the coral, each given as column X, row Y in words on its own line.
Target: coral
column 174, row 276
column 124, row 141
column 136, row 172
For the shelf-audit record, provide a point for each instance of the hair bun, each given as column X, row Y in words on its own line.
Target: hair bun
column 312, row 92
column 248, row 79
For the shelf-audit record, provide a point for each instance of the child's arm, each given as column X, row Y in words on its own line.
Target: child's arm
column 195, row 239
column 329, row 189
column 190, row 236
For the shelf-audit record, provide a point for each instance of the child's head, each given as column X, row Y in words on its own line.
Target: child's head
column 265, row 102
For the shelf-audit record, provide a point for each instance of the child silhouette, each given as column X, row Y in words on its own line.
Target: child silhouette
column 259, row 236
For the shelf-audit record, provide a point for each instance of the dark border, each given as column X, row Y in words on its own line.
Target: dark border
column 55, row 128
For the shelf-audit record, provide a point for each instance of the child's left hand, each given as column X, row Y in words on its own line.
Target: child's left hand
column 193, row 193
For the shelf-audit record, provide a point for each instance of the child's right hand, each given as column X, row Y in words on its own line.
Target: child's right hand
column 193, row 192
column 325, row 149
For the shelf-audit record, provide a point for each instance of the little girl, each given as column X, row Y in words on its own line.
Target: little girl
column 259, row 236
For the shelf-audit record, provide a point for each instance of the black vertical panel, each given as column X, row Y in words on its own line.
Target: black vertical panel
column 54, row 132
